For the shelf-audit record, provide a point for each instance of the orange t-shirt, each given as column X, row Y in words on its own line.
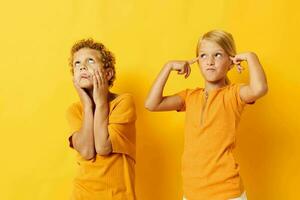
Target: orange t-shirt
column 209, row 169
column 112, row 176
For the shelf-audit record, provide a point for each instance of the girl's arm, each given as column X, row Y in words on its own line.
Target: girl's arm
column 155, row 100
column 83, row 140
column 257, row 86
column 100, row 93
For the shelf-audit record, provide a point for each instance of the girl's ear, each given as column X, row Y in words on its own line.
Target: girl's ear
column 231, row 65
column 109, row 73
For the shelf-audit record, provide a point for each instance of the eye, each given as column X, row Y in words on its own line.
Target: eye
column 77, row 64
column 91, row 61
column 203, row 55
column 218, row 55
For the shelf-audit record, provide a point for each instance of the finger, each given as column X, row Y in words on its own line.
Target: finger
column 188, row 71
column 181, row 71
column 193, row 60
column 239, row 68
column 100, row 73
column 94, row 81
column 97, row 78
column 232, row 58
column 75, row 83
column 103, row 76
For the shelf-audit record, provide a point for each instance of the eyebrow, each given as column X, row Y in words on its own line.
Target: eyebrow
column 218, row 50
column 87, row 58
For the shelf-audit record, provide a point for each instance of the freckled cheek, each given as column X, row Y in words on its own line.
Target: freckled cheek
column 221, row 65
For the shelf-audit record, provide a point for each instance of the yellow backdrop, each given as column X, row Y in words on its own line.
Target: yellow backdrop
column 36, row 89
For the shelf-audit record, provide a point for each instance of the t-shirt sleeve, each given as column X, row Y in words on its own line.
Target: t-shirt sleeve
column 73, row 116
column 182, row 94
column 121, row 127
column 236, row 102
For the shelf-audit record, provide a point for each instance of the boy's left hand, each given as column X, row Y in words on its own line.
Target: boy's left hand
column 100, row 87
column 237, row 59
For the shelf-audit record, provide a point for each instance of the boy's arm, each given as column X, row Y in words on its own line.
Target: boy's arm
column 155, row 100
column 257, row 86
column 102, row 141
column 83, row 140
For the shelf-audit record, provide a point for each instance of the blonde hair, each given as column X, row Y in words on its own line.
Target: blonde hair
column 223, row 39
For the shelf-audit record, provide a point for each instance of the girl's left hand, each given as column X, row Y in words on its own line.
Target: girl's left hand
column 100, row 87
column 237, row 59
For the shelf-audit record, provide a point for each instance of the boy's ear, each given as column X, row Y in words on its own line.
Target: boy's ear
column 109, row 73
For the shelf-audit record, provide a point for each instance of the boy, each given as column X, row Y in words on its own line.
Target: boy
column 102, row 127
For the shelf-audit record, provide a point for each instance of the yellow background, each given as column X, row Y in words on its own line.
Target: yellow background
column 36, row 89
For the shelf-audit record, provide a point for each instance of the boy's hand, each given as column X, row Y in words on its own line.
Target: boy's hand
column 182, row 67
column 100, row 88
column 84, row 97
column 237, row 59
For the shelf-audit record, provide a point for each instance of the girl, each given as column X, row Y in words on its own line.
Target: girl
column 212, row 115
column 102, row 127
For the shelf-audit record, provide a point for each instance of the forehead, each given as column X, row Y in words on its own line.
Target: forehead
column 209, row 46
column 86, row 52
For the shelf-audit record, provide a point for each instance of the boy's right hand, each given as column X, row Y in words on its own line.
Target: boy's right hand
column 182, row 67
column 84, row 97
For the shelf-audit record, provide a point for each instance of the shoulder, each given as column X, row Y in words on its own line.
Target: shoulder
column 192, row 92
column 75, row 107
column 123, row 100
column 123, row 109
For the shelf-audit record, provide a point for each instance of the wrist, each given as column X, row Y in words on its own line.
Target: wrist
column 250, row 55
column 101, row 104
column 87, row 108
column 168, row 66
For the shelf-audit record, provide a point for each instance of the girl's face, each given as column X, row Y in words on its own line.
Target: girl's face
column 85, row 61
column 214, row 61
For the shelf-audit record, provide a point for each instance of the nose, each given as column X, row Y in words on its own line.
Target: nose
column 83, row 67
column 210, row 60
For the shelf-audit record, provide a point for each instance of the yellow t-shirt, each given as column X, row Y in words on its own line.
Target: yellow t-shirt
column 209, row 169
column 112, row 176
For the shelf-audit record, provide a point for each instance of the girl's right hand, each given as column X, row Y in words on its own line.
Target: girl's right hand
column 182, row 67
column 84, row 97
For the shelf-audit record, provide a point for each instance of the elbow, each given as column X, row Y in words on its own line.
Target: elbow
column 87, row 154
column 261, row 91
column 103, row 151
column 149, row 106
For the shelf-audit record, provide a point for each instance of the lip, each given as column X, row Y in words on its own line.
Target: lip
column 84, row 76
column 210, row 69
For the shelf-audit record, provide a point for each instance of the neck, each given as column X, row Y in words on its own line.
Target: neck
column 209, row 86
column 110, row 97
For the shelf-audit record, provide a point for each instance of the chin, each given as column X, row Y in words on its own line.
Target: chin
column 85, row 84
column 211, row 80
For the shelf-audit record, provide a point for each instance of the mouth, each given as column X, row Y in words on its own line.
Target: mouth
column 210, row 69
column 85, row 76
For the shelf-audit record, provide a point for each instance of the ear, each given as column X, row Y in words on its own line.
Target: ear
column 109, row 73
column 231, row 65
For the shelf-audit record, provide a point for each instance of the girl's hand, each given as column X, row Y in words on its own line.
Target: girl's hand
column 182, row 67
column 237, row 59
column 84, row 97
column 100, row 87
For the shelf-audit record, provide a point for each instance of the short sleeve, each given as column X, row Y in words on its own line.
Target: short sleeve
column 121, row 127
column 74, row 118
column 182, row 94
column 237, row 103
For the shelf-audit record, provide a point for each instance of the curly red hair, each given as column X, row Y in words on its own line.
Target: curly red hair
column 107, row 57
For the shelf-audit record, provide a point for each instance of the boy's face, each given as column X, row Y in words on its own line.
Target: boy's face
column 214, row 61
column 85, row 61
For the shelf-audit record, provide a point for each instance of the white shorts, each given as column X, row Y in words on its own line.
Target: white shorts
column 242, row 197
